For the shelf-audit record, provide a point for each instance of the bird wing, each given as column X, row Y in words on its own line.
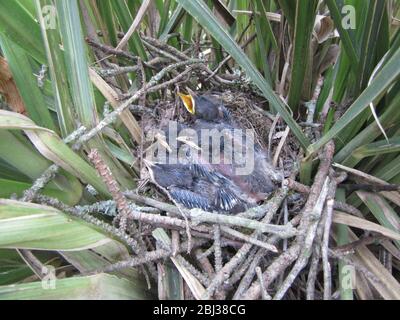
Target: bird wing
column 190, row 199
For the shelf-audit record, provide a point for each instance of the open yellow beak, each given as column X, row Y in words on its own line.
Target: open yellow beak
column 188, row 102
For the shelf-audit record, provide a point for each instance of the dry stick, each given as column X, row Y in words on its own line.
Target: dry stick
column 132, row 243
column 289, row 256
column 162, row 52
column 148, row 88
column 242, row 271
column 207, row 253
column 181, row 211
column 312, row 274
column 226, row 230
column 314, row 265
column 152, row 202
column 264, row 293
column 255, row 261
column 175, row 242
column 176, row 55
column 307, row 244
column 50, row 172
column 249, row 239
column 207, row 267
column 201, row 216
column 108, row 207
column 204, row 263
column 40, row 183
column 217, row 248
column 324, row 250
column 116, row 70
column 113, row 188
column 122, row 205
column 110, row 50
column 359, row 267
column 136, row 22
column 148, row 257
column 165, row 47
column 311, row 216
column 340, row 206
column 241, row 254
column 203, row 278
column 248, row 277
column 34, row 263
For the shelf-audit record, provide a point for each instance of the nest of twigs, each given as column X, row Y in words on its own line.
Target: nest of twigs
column 279, row 249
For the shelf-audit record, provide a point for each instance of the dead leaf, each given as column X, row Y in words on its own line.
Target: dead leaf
column 8, row 88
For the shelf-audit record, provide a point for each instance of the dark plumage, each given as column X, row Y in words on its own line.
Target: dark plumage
column 201, row 182
column 194, row 186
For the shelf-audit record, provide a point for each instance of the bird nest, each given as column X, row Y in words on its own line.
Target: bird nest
column 248, row 110
column 218, row 256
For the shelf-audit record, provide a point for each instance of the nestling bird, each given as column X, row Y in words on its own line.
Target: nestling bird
column 206, row 108
column 194, row 186
column 213, row 184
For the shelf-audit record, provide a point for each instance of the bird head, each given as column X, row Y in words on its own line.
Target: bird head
column 201, row 106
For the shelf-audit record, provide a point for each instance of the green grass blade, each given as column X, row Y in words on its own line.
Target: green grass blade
column 98, row 287
column 32, row 226
column 379, row 85
column 27, row 83
column 14, row 21
column 344, row 34
column 58, row 72
column 304, row 25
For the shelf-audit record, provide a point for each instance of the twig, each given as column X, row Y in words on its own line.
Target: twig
column 148, row 88
column 113, row 188
column 217, row 248
column 92, row 220
column 148, row 257
column 248, row 277
column 51, row 171
column 368, row 274
column 241, row 254
column 203, row 278
column 249, row 239
column 340, row 206
column 289, row 256
column 324, row 251
column 136, row 22
column 204, row 263
column 315, row 215
column 40, row 183
column 264, row 293
column 34, row 263
column 110, row 50
column 201, row 216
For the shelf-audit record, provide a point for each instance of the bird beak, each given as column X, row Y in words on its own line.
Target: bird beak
column 148, row 163
column 190, row 143
column 161, row 140
column 188, row 102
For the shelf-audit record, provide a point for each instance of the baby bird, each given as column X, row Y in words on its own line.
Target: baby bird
column 206, row 181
